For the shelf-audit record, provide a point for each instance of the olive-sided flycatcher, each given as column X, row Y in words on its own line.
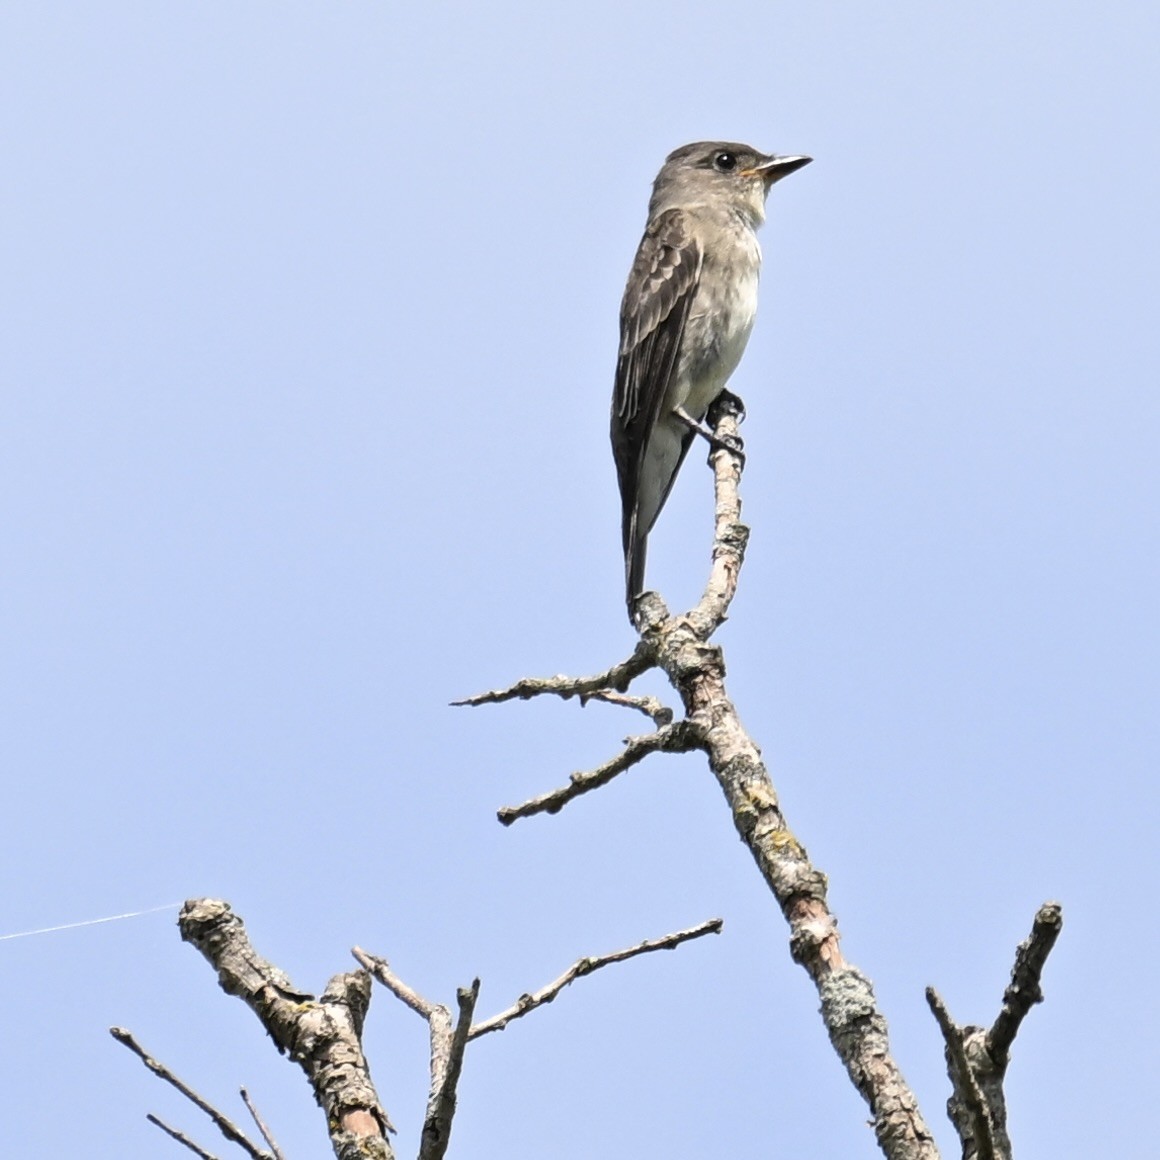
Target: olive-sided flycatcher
column 686, row 316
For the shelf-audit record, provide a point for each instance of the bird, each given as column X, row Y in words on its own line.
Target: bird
column 686, row 316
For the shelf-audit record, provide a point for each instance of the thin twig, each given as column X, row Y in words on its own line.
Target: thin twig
column 586, row 966
column 963, row 1080
column 650, row 706
column 180, row 1137
column 679, row 737
column 618, row 678
column 1024, row 991
column 225, row 1125
column 382, row 971
column 271, row 1143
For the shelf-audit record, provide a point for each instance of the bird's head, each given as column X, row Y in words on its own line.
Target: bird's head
column 720, row 173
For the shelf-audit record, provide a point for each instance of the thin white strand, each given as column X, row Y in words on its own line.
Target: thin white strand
column 89, row 922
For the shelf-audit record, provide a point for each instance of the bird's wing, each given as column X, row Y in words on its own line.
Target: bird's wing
column 661, row 287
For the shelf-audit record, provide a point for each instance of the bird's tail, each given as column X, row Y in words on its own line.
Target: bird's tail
column 635, row 550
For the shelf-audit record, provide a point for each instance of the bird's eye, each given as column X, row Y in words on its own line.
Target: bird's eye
column 725, row 162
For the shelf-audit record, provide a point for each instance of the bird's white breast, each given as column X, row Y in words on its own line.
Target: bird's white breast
column 720, row 321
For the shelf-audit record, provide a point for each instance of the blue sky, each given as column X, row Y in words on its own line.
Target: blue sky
column 310, row 327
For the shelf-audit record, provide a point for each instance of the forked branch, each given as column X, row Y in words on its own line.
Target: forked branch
column 449, row 1044
column 977, row 1059
column 322, row 1034
column 221, row 1121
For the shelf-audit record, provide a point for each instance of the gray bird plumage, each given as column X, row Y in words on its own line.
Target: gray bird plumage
column 685, row 318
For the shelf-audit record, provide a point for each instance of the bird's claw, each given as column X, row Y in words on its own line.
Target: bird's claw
column 731, row 443
column 726, row 403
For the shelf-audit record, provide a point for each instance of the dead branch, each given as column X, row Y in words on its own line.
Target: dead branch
column 271, row 1143
column 730, row 535
column 617, row 678
column 675, row 738
column 448, row 1044
column 447, row 1047
column 652, row 707
column 1023, row 992
column 680, row 646
column 977, row 1059
column 322, row 1035
column 587, row 966
column 224, row 1124
column 381, row 970
column 180, row 1137
column 970, row 1116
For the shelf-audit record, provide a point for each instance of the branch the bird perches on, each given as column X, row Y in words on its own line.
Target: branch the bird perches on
column 680, row 646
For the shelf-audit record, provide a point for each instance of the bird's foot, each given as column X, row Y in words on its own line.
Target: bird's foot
column 730, row 443
column 726, row 403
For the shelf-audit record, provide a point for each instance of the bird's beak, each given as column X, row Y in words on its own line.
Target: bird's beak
column 775, row 168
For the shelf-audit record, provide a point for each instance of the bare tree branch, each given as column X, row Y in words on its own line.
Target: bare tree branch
column 449, row 1044
column 1023, row 992
column 678, row 737
column 322, row 1035
column 977, row 1059
column 447, row 1048
column 652, row 707
column 586, row 966
column 271, row 1143
column 382, row 971
column 680, row 646
column 180, row 1137
column 223, row 1123
column 730, row 535
column 969, row 1114
column 617, row 679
